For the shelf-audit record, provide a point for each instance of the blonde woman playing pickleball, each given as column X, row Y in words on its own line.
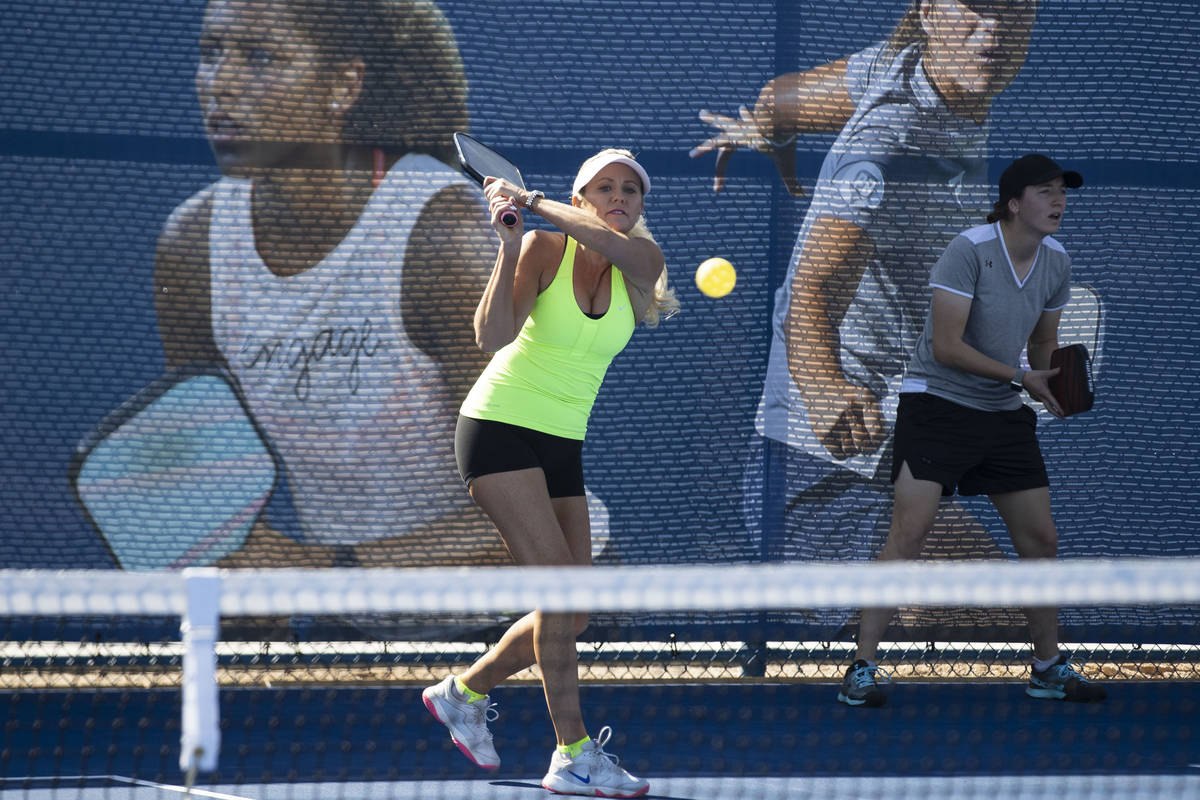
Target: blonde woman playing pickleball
column 558, row 308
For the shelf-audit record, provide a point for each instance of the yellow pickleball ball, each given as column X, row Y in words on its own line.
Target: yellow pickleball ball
column 716, row 277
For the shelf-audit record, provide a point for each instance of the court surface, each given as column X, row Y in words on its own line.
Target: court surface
column 692, row 741
column 992, row 787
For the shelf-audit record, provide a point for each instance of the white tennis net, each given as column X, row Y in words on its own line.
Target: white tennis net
column 208, row 643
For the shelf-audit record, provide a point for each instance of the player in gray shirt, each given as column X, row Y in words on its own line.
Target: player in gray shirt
column 1005, row 308
column 960, row 425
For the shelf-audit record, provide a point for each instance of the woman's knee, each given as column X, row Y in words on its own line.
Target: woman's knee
column 1037, row 542
column 578, row 620
column 906, row 536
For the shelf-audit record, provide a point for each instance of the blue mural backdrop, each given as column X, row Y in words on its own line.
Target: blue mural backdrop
column 102, row 138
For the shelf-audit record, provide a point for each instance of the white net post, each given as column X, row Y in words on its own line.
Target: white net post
column 200, row 738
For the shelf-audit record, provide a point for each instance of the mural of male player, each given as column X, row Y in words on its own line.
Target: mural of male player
column 907, row 171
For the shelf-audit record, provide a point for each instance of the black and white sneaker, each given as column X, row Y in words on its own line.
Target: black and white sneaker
column 1062, row 681
column 860, row 687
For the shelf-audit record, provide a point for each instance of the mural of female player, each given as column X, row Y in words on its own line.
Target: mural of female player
column 907, row 172
column 333, row 270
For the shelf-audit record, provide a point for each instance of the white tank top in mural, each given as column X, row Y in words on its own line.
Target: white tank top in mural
column 359, row 415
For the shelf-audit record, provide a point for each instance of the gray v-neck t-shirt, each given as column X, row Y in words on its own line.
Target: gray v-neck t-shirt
column 1004, row 312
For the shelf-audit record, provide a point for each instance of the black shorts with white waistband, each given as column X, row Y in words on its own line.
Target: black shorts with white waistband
column 977, row 452
column 484, row 447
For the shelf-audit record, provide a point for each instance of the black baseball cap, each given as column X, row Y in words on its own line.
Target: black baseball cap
column 1031, row 170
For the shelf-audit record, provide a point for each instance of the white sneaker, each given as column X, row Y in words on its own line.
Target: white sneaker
column 593, row 772
column 466, row 720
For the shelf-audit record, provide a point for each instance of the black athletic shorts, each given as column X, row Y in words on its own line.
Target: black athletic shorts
column 483, row 447
column 979, row 452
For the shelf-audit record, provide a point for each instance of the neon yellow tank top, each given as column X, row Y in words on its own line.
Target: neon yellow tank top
column 548, row 377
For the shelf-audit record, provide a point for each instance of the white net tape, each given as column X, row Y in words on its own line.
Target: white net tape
column 1077, row 582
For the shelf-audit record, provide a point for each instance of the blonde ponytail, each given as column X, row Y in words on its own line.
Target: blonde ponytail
column 664, row 304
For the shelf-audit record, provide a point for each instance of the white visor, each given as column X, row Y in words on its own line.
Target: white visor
column 598, row 162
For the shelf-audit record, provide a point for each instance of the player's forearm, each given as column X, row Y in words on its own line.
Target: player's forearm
column 1040, row 351
column 813, row 101
column 495, row 316
column 637, row 262
column 823, row 287
column 813, row 345
column 186, row 338
column 955, row 353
